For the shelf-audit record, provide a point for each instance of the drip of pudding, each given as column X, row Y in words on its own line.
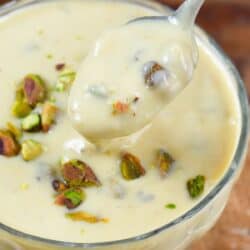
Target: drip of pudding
column 132, row 72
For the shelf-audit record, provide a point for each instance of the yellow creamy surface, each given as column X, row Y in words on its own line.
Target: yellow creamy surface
column 117, row 66
column 199, row 129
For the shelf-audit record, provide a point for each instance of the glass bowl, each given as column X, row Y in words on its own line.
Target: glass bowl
column 179, row 233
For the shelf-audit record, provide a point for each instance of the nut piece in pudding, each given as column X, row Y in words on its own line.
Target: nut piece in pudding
column 86, row 217
column 164, row 162
column 65, row 79
column 8, row 145
column 78, row 173
column 21, row 108
column 71, row 198
column 31, row 150
column 33, row 88
column 48, row 116
column 196, row 186
column 131, row 167
column 31, row 123
column 14, row 130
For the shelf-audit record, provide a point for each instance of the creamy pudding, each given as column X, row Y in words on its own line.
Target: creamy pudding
column 52, row 184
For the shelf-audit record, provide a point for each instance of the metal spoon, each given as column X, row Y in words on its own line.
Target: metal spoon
column 168, row 40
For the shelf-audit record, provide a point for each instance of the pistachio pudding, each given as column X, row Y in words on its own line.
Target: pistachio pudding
column 57, row 188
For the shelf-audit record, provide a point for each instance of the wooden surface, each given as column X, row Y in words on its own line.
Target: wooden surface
column 228, row 21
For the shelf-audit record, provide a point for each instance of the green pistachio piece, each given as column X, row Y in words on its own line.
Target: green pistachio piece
column 164, row 162
column 170, row 206
column 131, row 167
column 21, row 108
column 31, row 123
column 65, row 80
column 31, row 150
column 9, row 146
column 14, row 130
column 196, row 186
column 86, row 217
column 48, row 116
column 78, row 173
column 71, row 198
column 34, row 89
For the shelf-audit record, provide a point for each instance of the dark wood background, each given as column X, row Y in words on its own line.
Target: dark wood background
column 228, row 21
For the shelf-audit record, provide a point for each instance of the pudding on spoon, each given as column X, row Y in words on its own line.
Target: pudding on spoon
column 132, row 73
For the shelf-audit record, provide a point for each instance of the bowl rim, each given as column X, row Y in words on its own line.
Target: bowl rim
column 234, row 166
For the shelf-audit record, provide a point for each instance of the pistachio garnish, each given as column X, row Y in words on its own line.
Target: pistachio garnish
column 48, row 116
column 78, row 173
column 31, row 150
column 14, row 130
column 65, row 79
column 59, row 186
column 120, row 108
column 196, row 186
column 131, row 167
column 86, row 217
column 8, row 144
column 21, row 108
column 164, row 162
column 34, row 89
column 151, row 69
column 71, row 198
column 170, row 206
column 31, row 123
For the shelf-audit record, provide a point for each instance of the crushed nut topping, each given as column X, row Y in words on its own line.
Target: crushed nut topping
column 164, row 162
column 78, row 173
column 86, row 217
column 131, row 167
column 71, row 198
column 9, row 146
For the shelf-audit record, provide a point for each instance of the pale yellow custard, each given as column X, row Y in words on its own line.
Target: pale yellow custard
column 199, row 129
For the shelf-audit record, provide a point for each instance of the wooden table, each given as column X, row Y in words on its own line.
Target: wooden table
column 228, row 21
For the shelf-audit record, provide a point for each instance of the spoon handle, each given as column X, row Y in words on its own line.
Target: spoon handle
column 186, row 14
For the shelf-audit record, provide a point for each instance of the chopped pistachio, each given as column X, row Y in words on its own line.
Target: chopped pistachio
column 59, row 186
column 120, row 108
column 170, row 206
column 31, row 150
column 21, row 108
column 196, row 186
column 14, row 130
column 9, row 146
column 164, row 162
column 31, row 123
column 78, row 173
column 150, row 70
column 71, row 198
column 86, row 217
column 34, row 89
column 65, row 80
column 131, row 167
column 48, row 116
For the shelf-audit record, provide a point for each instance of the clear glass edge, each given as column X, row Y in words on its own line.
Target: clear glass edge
column 234, row 166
